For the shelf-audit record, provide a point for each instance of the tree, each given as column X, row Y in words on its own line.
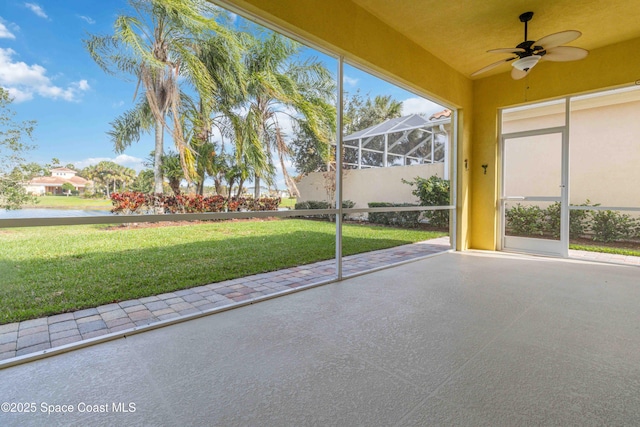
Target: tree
column 109, row 176
column 308, row 153
column 311, row 155
column 12, row 148
column 158, row 47
column 360, row 113
column 172, row 170
column 32, row 170
column 67, row 188
column 278, row 85
column 222, row 57
column 143, row 183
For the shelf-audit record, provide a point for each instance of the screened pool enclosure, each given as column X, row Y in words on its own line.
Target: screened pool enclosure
column 402, row 141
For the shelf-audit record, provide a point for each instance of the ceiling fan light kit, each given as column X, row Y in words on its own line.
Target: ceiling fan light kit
column 526, row 63
column 528, row 53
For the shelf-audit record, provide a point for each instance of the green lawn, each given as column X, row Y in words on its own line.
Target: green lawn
column 606, row 249
column 288, row 202
column 48, row 270
column 71, row 202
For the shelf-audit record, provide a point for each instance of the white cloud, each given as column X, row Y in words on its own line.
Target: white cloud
column 350, row 81
column 87, row 19
column 82, row 85
column 23, row 81
column 420, row 106
column 132, row 162
column 36, row 9
column 129, row 161
column 18, row 95
column 118, row 104
column 5, row 33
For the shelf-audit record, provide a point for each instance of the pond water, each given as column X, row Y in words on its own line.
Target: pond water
column 50, row 213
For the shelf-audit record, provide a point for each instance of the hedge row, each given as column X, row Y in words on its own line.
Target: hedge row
column 601, row 226
column 318, row 204
column 131, row 202
column 407, row 219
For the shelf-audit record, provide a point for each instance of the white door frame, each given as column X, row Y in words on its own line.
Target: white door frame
column 531, row 245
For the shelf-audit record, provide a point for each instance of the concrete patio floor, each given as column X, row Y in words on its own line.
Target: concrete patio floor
column 37, row 335
column 471, row 338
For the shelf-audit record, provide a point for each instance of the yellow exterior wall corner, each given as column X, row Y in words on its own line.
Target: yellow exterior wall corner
column 601, row 69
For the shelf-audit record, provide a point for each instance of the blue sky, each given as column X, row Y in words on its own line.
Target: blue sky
column 54, row 81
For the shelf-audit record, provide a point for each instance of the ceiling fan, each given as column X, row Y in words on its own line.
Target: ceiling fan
column 528, row 53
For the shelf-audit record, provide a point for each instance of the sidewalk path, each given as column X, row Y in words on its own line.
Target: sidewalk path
column 29, row 336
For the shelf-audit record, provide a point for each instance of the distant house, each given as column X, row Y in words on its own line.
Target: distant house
column 42, row 185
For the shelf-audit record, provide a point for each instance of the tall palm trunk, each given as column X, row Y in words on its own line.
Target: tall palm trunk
column 157, row 157
column 256, row 187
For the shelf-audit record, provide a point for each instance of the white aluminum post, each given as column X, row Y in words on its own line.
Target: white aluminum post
column 564, row 205
column 446, row 151
column 386, row 150
column 338, row 195
column 433, row 146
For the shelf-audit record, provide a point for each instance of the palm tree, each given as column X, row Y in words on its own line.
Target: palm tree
column 108, row 176
column 172, row 170
column 278, row 85
column 157, row 46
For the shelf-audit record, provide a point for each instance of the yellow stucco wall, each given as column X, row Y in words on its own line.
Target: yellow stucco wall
column 607, row 67
column 342, row 27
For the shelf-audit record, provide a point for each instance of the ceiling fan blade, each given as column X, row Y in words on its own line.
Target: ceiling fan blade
column 565, row 53
column 518, row 74
column 557, row 39
column 507, row 50
column 492, row 66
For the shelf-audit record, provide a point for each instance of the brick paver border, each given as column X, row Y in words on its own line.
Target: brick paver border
column 31, row 336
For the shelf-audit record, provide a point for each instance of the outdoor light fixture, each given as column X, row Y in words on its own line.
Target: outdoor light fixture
column 526, row 63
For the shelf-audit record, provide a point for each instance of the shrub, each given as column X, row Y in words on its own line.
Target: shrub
column 399, row 219
column 264, row 204
column 318, row 204
column 578, row 221
column 313, row 204
column 128, row 202
column 433, row 191
column 525, row 220
column 137, row 202
column 609, row 226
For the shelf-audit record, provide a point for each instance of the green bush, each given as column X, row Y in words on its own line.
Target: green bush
column 525, row 220
column 313, row 204
column 578, row 221
column 433, row 191
column 318, row 204
column 398, row 219
column 609, row 226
